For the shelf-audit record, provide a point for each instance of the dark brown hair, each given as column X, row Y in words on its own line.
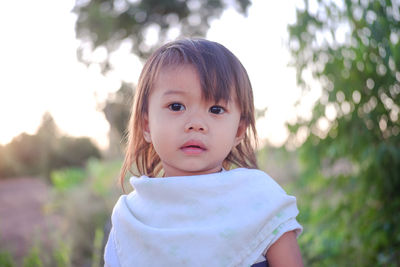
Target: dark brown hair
column 220, row 74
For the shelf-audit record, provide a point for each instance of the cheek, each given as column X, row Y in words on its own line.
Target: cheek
column 226, row 132
column 162, row 132
column 164, row 144
column 155, row 120
column 232, row 124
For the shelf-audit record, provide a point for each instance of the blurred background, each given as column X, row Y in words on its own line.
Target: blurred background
column 326, row 80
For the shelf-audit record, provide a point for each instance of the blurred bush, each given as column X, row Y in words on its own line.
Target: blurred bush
column 66, row 179
column 84, row 198
column 46, row 150
column 6, row 259
column 116, row 109
column 79, row 209
column 349, row 179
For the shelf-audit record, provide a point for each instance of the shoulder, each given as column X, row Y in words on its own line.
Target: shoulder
column 110, row 252
column 122, row 207
column 250, row 173
column 258, row 178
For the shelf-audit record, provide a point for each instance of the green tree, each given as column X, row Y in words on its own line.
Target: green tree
column 44, row 151
column 73, row 151
column 107, row 23
column 351, row 157
column 7, row 168
column 46, row 137
column 30, row 154
column 117, row 112
column 25, row 158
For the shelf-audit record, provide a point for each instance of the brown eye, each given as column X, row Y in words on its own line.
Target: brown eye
column 176, row 107
column 217, row 110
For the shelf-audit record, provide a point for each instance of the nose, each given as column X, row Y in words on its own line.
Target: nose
column 196, row 124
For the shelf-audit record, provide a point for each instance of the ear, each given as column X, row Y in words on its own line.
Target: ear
column 240, row 132
column 146, row 129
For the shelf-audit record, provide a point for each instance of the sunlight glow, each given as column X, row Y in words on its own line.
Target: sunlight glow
column 40, row 72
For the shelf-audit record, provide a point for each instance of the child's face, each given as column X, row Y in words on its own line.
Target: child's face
column 190, row 135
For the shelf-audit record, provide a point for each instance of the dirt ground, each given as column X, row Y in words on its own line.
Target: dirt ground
column 22, row 215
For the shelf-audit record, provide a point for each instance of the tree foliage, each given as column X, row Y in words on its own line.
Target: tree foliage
column 351, row 157
column 117, row 108
column 117, row 112
column 107, row 23
column 44, row 151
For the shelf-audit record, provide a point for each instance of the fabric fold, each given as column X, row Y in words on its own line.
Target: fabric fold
column 221, row 219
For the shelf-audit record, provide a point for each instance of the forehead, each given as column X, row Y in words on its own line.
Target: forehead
column 177, row 73
column 176, row 80
column 189, row 78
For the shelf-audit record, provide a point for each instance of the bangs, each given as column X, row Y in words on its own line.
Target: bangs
column 216, row 67
column 220, row 75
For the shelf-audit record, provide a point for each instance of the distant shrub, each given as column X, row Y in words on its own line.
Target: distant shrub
column 71, row 151
column 33, row 259
column 6, row 259
column 83, row 198
column 45, row 151
column 67, row 178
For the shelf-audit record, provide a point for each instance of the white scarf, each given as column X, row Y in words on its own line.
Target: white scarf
column 220, row 219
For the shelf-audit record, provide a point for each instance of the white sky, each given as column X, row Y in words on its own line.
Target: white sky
column 39, row 71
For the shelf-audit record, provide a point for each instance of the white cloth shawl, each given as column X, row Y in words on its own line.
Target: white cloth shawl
column 222, row 219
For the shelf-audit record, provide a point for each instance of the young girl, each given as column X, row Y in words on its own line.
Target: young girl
column 192, row 119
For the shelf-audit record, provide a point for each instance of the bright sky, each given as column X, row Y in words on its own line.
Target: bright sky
column 39, row 71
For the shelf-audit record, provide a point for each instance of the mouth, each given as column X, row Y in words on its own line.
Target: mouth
column 193, row 147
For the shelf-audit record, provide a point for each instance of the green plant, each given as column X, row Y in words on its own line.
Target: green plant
column 33, row 258
column 84, row 199
column 6, row 259
column 62, row 254
column 67, row 178
column 350, row 160
column 97, row 247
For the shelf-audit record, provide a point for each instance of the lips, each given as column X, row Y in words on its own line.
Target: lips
column 193, row 147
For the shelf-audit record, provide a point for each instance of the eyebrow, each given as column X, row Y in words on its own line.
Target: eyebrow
column 174, row 92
